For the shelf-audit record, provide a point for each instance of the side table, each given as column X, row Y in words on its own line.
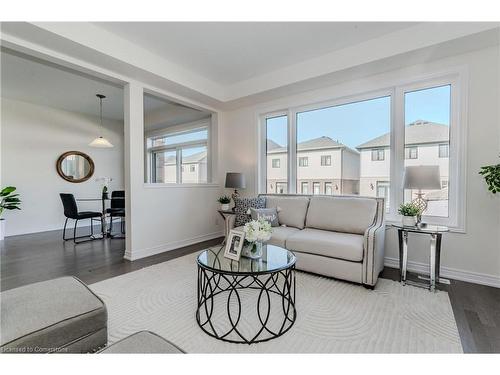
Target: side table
column 435, row 232
column 228, row 216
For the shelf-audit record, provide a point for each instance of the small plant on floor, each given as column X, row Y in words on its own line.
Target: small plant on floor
column 9, row 199
column 409, row 209
column 224, row 199
column 491, row 174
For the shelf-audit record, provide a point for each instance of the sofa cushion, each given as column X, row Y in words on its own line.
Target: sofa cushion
column 291, row 210
column 143, row 342
column 242, row 206
column 341, row 214
column 268, row 214
column 280, row 235
column 339, row 245
column 49, row 315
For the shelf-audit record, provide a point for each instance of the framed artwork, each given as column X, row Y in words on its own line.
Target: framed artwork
column 234, row 244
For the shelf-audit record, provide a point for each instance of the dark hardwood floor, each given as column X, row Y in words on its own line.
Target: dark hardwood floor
column 36, row 257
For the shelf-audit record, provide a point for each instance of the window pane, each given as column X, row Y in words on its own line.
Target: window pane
column 165, row 167
column 347, row 147
column 194, row 165
column 277, row 155
column 169, row 140
column 427, row 127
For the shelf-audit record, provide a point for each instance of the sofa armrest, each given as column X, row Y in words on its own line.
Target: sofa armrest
column 374, row 246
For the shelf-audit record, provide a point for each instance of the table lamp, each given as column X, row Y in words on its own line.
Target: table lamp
column 235, row 181
column 422, row 177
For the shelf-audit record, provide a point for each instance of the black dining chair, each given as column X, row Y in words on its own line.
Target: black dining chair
column 117, row 210
column 71, row 212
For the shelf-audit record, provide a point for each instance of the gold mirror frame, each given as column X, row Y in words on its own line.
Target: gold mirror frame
column 78, row 153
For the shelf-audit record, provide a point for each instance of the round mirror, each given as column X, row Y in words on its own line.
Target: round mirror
column 75, row 166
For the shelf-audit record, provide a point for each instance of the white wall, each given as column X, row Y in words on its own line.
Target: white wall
column 33, row 137
column 475, row 255
column 164, row 217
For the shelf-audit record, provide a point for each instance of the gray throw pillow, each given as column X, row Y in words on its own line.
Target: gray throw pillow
column 268, row 214
column 241, row 207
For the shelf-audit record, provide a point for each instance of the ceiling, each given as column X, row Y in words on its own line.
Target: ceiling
column 229, row 52
column 39, row 82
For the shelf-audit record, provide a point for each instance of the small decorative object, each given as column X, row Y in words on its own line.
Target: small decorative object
column 224, row 202
column 410, row 211
column 256, row 233
column 9, row 201
column 491, row 174
column 421, row 177
column 100, row 141
column 105, row 182
column 235, row 181
column 234, row 244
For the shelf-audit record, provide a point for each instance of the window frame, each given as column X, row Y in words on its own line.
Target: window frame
column 304, row 160
column 447, row 150
column 326, row 158
column 178, row 147
column 408, row 155
column 457, row 78
column 378, row 152
column 278, row 164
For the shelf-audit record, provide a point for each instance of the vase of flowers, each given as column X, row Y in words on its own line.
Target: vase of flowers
column 224, row 202
column 409, row 211
column 256, row 233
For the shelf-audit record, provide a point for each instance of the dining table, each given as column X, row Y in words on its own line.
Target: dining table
column 104, row 228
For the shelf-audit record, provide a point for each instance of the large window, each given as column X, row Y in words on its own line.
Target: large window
column 179, row 157
column 276, row 131
column 427, row 126
column 362, row 145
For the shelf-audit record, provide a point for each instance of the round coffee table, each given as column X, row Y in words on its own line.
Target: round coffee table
column 249, row 301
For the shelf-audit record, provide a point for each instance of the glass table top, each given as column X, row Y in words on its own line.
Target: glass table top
column 274, row 258
column 422, row 228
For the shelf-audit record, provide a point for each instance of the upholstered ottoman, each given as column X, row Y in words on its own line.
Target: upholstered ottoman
column 61, row 315
column 143, row 342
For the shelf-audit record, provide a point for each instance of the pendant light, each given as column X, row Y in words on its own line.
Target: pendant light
column 100, row 141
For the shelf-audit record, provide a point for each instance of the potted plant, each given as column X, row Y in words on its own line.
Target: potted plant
column 256, row 233
column 410, row 211
column 9, row 201
column 105, row 192
column 491, row 174
column 224, row 202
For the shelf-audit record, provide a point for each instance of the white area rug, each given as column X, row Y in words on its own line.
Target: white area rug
column 332, row 316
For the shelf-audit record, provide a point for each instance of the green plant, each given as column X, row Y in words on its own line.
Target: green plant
column 9, row 199
column 104, row 189
column 224, row 199
column 409, row 209
column 491, row 174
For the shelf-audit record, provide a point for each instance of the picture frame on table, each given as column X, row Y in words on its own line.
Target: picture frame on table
column 234, row 244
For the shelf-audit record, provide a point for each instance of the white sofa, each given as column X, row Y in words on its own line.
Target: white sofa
column 335, row 236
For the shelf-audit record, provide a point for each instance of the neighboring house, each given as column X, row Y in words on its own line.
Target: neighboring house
column 194, row 168
column 324, row 166
column 426, row 143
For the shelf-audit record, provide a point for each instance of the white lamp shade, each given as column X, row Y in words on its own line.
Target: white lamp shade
column 100, row 142
column 422, row 177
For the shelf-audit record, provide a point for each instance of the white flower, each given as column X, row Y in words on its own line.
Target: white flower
column 257, row 230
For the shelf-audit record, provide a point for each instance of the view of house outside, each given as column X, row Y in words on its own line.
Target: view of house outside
column 346, row 149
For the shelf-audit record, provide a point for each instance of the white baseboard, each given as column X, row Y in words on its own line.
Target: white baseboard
column 143, row 253
column 447, row 272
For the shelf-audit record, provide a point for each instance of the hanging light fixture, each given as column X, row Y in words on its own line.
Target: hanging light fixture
column 100, row 141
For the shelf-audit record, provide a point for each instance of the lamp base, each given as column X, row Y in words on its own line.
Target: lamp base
column 421, row 204
column 235, row 194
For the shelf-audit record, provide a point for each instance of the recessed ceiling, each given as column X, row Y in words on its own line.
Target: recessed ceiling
column 50, row 85
column 229, row 52
column 42, row 83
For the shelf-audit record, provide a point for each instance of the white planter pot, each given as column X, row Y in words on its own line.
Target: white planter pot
column 2, row 229
column 409, row 221
column 225, row 207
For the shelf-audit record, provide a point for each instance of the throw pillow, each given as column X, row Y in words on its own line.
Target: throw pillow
column 241, row 207
column 268, row 214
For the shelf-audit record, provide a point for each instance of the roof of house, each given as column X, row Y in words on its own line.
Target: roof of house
column 319, row 143
column 417, row 132
column 195, row 158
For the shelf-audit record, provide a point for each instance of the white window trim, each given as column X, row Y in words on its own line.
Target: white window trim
column 177, row 130
column 456, row 77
